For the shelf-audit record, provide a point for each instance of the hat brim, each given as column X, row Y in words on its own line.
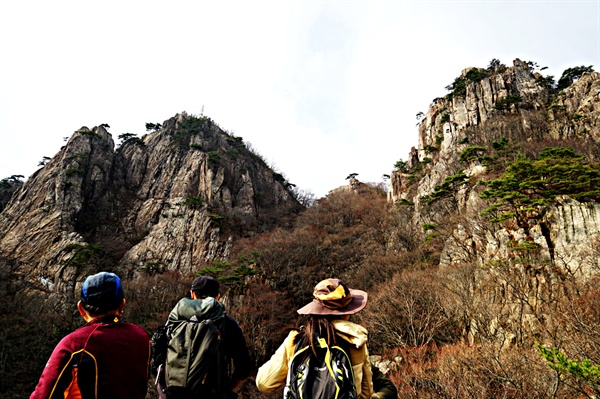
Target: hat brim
column 359, row 301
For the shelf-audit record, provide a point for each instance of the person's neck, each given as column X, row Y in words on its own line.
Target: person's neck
column 89, row 318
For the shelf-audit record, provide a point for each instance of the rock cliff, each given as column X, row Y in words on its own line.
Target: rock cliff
column 494, row 118
column 174, row 199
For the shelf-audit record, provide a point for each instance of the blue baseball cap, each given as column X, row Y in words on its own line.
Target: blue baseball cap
column 102, row 290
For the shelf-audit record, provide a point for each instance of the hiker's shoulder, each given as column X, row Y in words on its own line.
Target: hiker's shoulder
column 133, row 329
column 201, row 308
column 354, row 333
column 231, row 322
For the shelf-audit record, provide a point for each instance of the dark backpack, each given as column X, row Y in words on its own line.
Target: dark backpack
column 158, row 355
column 328, row 375
column 195, row 361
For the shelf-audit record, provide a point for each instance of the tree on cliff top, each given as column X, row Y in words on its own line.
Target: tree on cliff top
column 570, row 75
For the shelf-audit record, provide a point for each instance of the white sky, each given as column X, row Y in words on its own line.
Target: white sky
column 321, row 89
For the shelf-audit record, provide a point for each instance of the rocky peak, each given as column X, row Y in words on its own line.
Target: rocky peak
column 472, row 135
column 173, row 199
column 487, row 105
column 354, row 185
column 439, row 183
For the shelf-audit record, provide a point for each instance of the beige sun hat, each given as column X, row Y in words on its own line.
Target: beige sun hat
column 333, row 297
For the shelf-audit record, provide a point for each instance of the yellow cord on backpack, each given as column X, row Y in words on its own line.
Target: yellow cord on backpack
column 323, row 344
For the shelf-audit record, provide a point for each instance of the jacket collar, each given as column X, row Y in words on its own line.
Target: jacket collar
column 354, row 333
column 197, row 309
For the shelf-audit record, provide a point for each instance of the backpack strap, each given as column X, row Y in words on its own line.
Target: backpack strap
column 351, row 369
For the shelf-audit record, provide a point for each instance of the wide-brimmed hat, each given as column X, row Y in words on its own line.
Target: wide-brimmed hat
column 333, row 297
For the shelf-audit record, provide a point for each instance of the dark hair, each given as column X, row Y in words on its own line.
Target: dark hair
column 98, row 310
column 205, row 286
column 317, row 327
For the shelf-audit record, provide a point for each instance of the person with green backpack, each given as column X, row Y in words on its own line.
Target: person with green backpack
column 327, row 358
column 205, row 354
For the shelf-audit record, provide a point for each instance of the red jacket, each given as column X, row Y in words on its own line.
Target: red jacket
column 108, row 358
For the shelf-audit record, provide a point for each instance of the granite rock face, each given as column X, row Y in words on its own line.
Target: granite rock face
column 507, row 104
column 174, row 199
column 485, row 113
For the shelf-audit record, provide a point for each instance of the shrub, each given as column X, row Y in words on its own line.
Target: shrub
column 214, row 158
column 428, row 226
column 450, row 184
column 217, row 220
column 84, row 255
column 236, row 141
column 88, row 132
column 193, row 202
column 404, row 202
column 30, row 328
column 556, row 107
column 401, row 166
column 190, row 126
column 152, row 268
column 151, row 297
column 458, row 88
column 584, row 370
column 130, row 138
column 263, row 313
column 527, row 184
column 429, row 149
column 507, row 102
column 546, row 82
column 75, row 171
column 476, row 75
column 472, row 153
column 153, row 126
column 570, row 75
column 496, row 66
column 501, row 144
column 410, row 312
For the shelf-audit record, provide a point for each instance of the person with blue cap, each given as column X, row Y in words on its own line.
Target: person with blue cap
column 106, row 357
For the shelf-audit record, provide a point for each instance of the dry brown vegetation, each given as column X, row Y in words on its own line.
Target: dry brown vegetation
column 461, row 331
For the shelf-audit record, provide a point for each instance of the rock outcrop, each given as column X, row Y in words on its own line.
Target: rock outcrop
column 502, row 104
column 439, row 184
column 174, row 199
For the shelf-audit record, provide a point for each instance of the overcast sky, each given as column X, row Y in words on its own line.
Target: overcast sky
column 321, row 89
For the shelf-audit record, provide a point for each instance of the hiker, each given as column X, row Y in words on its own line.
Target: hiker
column 106, row 358
column 206, row 374
column 328, row 320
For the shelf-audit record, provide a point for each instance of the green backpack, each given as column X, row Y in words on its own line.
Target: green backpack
column 195, row 362
column 328, row 375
